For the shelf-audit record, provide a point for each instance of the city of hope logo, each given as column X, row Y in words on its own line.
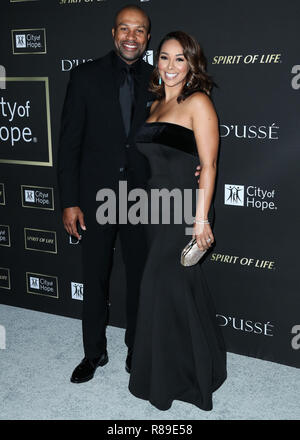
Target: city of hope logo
column 77, row 290
column 37, row 197
column 251, row 196
column 25, row 130
column 40, row 284
column 29, row 41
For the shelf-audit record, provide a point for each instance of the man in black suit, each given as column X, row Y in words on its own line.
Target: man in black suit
column 105, row 104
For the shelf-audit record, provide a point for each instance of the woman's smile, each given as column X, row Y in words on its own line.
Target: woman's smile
column 170, row 75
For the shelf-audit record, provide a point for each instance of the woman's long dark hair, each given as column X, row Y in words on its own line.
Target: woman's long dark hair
column 197, row 78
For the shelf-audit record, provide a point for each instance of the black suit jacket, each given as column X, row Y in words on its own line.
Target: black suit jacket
column 94, row 148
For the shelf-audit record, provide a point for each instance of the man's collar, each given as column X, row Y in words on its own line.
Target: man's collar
column 120, row 64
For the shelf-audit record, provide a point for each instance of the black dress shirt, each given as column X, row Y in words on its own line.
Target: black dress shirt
column 120, row 67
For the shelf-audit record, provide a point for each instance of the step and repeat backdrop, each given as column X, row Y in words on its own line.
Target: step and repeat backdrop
column 253, row 54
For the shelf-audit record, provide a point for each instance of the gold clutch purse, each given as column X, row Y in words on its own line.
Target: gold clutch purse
column 191, row 254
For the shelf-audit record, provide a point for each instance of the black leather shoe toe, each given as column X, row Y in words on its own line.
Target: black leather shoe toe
column 86, row 369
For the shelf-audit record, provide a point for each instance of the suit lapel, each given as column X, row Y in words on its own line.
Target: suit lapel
column 117, row 112
column 140, row 110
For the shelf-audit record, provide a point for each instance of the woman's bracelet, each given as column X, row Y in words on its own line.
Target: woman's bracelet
column 201, row 222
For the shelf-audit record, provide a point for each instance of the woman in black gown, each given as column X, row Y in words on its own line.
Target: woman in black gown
column 179, row 351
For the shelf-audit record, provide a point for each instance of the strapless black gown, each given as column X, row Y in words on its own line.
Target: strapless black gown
column 179, row 351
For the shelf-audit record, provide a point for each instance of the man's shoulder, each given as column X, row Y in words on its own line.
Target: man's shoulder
column 101, row 65
column 89, row 68
column 148, row 68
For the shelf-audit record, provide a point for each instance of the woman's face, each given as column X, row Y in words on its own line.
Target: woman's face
column 172, row 65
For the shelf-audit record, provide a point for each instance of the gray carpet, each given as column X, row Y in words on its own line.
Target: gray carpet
column 42, row 351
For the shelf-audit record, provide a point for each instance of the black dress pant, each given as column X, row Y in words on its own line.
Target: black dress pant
column 98, row 244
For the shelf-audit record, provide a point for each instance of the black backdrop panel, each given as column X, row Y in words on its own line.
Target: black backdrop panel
column 252, row 50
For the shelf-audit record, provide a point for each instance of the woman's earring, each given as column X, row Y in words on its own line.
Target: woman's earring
column 188, row 83
column 159, row 81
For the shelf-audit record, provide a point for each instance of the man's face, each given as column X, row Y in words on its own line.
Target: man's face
column 130, row 35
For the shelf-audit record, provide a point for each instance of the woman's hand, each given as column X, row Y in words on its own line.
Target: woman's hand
column 197, row 172
column 203, row 235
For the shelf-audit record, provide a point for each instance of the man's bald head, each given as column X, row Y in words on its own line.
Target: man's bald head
column 132, row 8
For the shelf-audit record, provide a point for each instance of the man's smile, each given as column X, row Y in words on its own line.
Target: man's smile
column 129, row 46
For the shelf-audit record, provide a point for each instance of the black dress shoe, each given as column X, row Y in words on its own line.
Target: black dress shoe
column 128, row 361
column 86, row 369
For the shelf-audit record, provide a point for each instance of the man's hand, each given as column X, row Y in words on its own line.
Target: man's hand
column 197, row 173
column 70, row 218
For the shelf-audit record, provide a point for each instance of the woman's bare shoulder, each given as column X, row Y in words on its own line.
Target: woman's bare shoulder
column 200, row 104
column 154, row 105
column 199, row 99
